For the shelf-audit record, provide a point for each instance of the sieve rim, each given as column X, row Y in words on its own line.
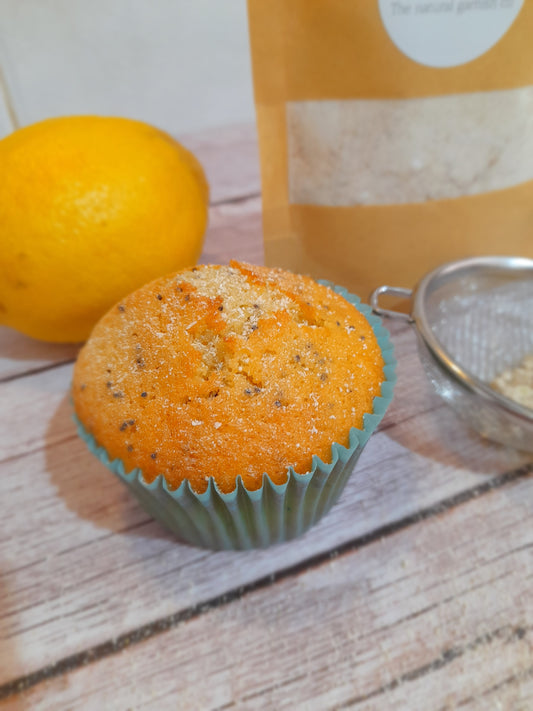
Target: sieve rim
column 464, row 377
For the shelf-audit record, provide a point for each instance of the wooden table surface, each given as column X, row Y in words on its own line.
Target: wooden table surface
column 415, row 592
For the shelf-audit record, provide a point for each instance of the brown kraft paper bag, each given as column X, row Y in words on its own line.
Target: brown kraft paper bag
column 394, row 135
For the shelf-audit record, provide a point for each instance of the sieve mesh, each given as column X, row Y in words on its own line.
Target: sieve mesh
column 480, row 313
column 484, row 320
column 474, row 320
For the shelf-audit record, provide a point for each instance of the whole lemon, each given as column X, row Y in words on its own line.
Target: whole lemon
column 91, row 208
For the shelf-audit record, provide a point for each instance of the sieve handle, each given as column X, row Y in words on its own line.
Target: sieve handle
column 390, row 291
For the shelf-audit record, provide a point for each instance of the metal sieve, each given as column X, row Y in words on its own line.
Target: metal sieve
column 474, row 320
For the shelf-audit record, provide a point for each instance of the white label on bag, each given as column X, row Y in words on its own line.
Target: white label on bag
column 394, row 151
column 445, row 33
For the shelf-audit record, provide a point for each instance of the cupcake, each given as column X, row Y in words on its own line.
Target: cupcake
column 233, row 400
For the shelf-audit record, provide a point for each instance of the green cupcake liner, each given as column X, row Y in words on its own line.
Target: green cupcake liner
column 274, row 513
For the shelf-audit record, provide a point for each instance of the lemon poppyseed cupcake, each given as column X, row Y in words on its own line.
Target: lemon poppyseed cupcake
column 233, row 400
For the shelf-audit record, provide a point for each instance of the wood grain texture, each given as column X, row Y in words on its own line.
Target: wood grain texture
column 230, row 159
column 20, row 354
column 436, row 616
column 79, row 557
column 413, row 593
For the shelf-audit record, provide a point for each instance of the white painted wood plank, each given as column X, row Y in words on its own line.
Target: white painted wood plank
column 20, row 354
column 492, row 671
column 230, row 158
column 181, row 65
column 514, row 693
column 436, row 616
column 81, row 563
column 234, row 231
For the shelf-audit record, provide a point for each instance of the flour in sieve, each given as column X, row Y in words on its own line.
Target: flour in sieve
column 517, row 383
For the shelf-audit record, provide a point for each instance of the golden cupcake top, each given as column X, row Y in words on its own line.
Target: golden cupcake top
column 227, row 370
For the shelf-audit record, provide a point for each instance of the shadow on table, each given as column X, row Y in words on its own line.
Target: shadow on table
column 87, row 487
column 442, row 436
column 17, row 346
column 94, row 494
column 420, row 421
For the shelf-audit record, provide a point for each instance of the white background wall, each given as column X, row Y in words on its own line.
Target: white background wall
column 182, row 65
